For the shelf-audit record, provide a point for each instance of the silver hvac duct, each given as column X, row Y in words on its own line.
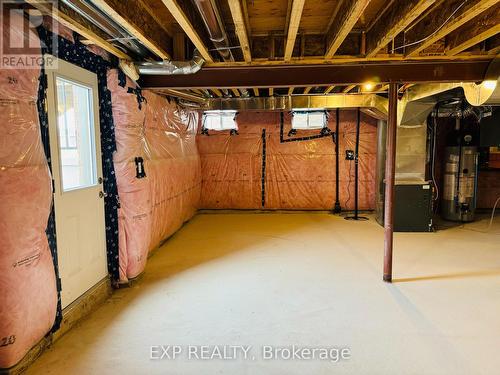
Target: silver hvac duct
column 167, row 67
column 213, row 22
column 373, row 104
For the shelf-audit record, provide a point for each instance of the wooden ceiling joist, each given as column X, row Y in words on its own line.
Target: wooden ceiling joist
column 139, row 23
column 307, row 89
column 293, row 27
column 271, row 91
column 493, row 45
column 329, row 89
column 183, row 95
column 290, row 90
column 240, row 28
column 72, row 20
column 183, row 21
column 392, row 22
column 236, row 92
column 255, row 91
column 484, row 26
column 166, row 27
column 348, row 88
column 345, row 19
column 451, row 16
column 217, row 92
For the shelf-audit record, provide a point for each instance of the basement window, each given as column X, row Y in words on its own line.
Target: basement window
column 219, row 120
column 304, row 119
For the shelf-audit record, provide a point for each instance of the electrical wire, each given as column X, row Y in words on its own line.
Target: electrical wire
column 434, row 33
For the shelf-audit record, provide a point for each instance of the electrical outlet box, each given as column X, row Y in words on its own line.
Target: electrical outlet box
column 349, row 155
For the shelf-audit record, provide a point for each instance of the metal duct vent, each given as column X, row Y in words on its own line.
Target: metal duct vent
column 215, row 27
column 172, row 67
column 212, row 20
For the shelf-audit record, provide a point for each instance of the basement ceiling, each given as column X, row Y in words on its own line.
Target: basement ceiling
column 308, row 32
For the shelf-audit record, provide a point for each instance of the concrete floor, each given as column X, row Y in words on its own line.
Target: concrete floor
column 306, row 279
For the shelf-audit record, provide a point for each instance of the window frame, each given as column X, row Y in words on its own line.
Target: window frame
column 308, row 112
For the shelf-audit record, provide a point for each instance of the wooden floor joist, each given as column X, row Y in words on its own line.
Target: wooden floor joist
column 329, row 89
column 69, row 18
column 442, row 21
column 348, row 88
column 399, row 15
column 217, row 92
column 345, row 19
column 293, row 27
column 240, row 28
column 475, row 31
column 184, row 22
column 139, row 23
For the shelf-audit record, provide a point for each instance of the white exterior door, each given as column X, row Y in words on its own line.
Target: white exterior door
column 77, row 171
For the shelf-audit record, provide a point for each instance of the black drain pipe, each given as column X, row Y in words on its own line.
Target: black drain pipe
column 356, row 173
column 337, row 209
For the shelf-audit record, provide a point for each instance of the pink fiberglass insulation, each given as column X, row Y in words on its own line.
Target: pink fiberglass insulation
column 298, row 175
column 155, row 206
column 28, row 296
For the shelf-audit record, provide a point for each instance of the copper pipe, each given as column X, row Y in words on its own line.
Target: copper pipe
column 390, row 166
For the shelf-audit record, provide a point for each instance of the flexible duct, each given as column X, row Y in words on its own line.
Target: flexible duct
column 171, row 67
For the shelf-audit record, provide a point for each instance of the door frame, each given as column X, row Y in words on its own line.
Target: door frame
column 86, row 78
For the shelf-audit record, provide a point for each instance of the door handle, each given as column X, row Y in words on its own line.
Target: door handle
column 102, row 195
column 99, row 180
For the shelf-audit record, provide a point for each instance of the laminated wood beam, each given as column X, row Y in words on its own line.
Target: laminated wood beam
column 394, row 20
column 139, row 23
column 451, row 15
column 345, row 19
